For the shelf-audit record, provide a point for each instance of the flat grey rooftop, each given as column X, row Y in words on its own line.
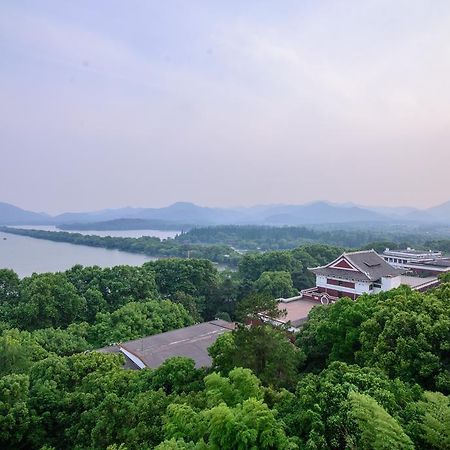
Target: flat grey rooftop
column 415, row 281
column 191, row 342
column 297, row 311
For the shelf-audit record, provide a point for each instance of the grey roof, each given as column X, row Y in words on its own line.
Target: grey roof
column 438, row 262
column 370, row 264
column 191, row 342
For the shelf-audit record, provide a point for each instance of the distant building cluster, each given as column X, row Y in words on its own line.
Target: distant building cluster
column 367, row 272
column 418, row 262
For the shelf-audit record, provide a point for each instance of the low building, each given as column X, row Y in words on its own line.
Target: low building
column 418, row 262
column 192, row 342
column 351, row 275
column 357, row 273
column 296, row 309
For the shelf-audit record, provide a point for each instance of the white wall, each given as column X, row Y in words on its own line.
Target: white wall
column 388, row 283
column 361, row 287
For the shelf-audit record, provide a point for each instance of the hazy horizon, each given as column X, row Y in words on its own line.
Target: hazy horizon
column 146, row 103
column 54, row 213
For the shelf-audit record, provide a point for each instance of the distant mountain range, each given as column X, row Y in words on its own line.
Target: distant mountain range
column 12, row 215
column 183, row 213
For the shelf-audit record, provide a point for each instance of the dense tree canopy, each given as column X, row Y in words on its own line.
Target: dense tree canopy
column 371, row 374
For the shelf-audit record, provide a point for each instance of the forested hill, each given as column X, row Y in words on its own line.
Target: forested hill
column 368, row 374
column 252, row 237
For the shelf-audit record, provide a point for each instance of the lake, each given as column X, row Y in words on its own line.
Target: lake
column 114, row 233
column 26, row 255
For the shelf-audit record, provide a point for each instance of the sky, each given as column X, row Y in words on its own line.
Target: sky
column 144, row 103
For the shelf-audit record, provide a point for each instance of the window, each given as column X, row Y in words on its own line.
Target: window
column 343, row 283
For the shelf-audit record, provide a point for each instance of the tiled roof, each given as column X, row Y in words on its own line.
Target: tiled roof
column 371, row 267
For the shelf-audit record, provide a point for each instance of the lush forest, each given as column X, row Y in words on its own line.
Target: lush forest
column 370, row 374
column 265, row 238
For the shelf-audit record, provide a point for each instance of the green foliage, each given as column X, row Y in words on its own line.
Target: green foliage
column 176, row 375
column 405, row 333
column 9, row 293
column 267, row 238
column 15, row 417
column 320, row 413
column 108, row 289
column 240, row 385
column 275, row 284
column 355, row 379
column 377, row 429
column 222, row 352
column 194, row 277
column 48, row 300
column 332, row 333
column 259, row 348
column 428, row 421
column 248, row 425
column 251, row 307
column 179, row 444
column 295, row 262
column 136, row 320
column 63, row 342
column 9, row 286
column 18, row 351
column 252, row 266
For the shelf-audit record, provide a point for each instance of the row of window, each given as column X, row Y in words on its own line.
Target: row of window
column 396, row 260
column 343, row 283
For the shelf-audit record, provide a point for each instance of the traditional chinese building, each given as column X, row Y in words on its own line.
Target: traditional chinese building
column 357, row 273
column 351, row 275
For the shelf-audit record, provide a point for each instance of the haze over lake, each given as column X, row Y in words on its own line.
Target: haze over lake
column 26, row 255
column 162, row 234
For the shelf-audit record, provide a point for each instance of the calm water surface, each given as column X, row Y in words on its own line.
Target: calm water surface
column 114, row 233
column 26, row 255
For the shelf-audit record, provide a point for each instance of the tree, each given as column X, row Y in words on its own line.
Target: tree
column 247, row 425
column 241, row 384
column 320, row 412
column 252, row 307
column 253, row 265
column 377, row 429
column 15, row 417
column 428, row 421
column 107, row 289
column 179, row 444
column 18, row 351
column 265, row 350
column 176, row 374
column 48, row 300
column 195, row 277
column 275, row 284
column 333, row 332
column 9, row 292
column 135, row 320
column 63, row 342
column 406, row 333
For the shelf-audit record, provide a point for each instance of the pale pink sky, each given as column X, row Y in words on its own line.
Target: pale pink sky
column 144, row 103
